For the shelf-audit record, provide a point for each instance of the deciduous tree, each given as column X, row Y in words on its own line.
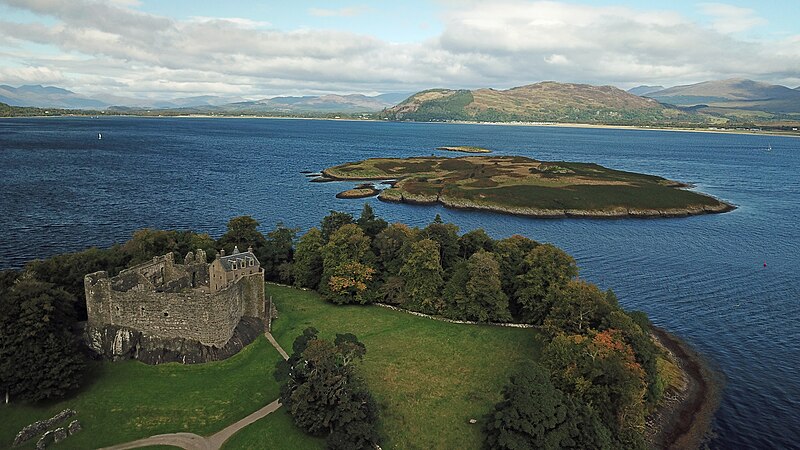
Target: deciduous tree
column 422, row 274
column 545, row 268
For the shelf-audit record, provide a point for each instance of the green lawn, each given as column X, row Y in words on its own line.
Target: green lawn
column 129, row 400
column 429, row 377
column 276, row 432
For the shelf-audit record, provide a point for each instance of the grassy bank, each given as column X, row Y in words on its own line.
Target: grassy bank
column 429, row 377
column 128, row 400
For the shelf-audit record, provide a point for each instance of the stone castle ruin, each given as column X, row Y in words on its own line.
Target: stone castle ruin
column 162, row 311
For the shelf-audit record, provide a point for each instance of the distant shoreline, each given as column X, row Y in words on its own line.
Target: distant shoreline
column 456, row 122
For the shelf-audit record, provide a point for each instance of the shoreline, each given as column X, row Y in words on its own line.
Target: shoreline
column 684, row 419
column 456, row 122
column 620, row 213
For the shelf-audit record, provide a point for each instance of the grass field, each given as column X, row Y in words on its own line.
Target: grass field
column 526, row 186
column 276, row 432
column 129, row 400
column 429, row 377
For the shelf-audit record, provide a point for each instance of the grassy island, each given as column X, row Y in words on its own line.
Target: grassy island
column 523, row 186
column 464, row 149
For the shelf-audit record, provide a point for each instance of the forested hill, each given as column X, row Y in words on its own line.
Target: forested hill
column 541, row 102
column 27, row 111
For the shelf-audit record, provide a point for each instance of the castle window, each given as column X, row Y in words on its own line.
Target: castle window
column 251, row 262
column 166, row 314
column 233, row 265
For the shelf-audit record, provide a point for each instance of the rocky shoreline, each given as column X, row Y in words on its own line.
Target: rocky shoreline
column 683, row 421
column 402, row 197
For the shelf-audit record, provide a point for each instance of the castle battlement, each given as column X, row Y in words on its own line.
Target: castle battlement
column 193, row 301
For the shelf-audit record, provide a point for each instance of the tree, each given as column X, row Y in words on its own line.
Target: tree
column 446, row 235
column 601, row 370
column 323, row 394
column 333, row 222
column 346, row 246
column 40, row 358
column 474, row 292
column 278, row 251
column 369, row 223
column 545, row 268
column 349, row 283
column 391, row 247
column 577, row 308
column 243, row 233
column 307, row 267
column 536, row 415
column 473, row 241
column 422, row 274
column 510, row 253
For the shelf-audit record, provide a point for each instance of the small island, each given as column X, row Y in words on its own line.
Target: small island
column 361, row 191
column 464, row 149
column 524, row 186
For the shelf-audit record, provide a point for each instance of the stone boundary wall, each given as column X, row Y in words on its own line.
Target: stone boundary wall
column 462, row 322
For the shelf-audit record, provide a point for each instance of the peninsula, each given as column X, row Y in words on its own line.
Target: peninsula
column 524, row 186
column 464, row 149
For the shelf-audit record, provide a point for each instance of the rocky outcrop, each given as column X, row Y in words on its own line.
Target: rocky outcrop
column 36, row 428
column 400, row 196
column 115, row 343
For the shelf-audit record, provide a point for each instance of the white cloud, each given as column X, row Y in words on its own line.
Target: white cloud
column 497, row 44
column 731, row 19
column 341, row 12
column 31, row 75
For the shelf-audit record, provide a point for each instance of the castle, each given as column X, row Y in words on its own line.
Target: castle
column 161, row 311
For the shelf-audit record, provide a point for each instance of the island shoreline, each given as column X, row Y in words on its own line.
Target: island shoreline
column 685, row 421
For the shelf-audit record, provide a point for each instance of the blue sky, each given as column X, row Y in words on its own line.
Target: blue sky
column 252, row 49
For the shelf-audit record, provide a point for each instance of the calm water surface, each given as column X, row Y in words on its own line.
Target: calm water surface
column 62, row 189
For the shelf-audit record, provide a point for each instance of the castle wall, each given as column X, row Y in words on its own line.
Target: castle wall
column 195, row 314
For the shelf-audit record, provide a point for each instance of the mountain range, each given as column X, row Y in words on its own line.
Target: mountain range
column 721, row 101
column 56, row 97
column 735, row 93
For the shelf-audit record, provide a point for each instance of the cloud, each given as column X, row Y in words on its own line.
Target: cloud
column 731, row 19
column 502, row 44
column 341, row 12
column 31, row 75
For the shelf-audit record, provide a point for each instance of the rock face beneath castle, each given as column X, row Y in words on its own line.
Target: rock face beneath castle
column 161, row 311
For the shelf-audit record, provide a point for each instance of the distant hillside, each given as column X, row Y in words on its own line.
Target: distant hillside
column 7, row 110
column 644, row 90
column 46, row 97
column 733, row 94
column 353, row 103
column 541, row 102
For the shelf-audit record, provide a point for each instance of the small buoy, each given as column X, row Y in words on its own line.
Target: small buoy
column 765, row 264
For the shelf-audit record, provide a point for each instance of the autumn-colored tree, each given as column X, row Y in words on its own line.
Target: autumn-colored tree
column 349, row 283
column 422, row 273
column 347, row 245
column 601, row 370
column 544, row 269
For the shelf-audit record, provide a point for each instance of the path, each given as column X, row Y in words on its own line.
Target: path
column 191, row 441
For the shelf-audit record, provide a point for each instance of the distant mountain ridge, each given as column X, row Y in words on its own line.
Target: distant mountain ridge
column 644, row 90
column 544, row 102
column 735, row 93
column 55, row 97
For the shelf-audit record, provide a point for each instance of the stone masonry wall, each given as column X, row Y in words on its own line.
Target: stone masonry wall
column 192, row 314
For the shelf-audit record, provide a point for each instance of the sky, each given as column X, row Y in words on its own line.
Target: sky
column 162, row 49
